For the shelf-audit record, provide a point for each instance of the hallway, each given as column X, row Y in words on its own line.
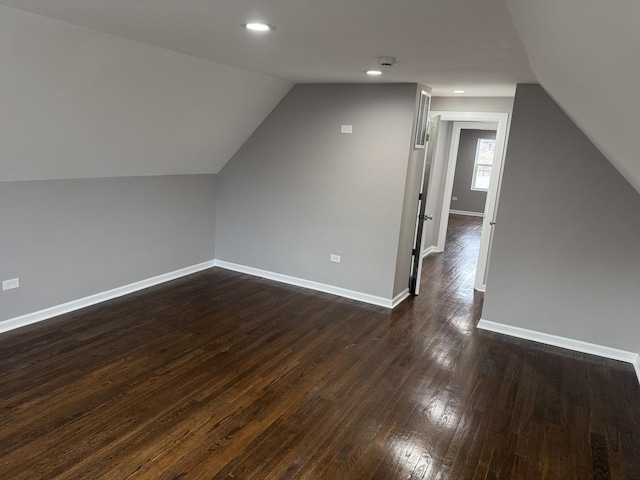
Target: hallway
column 222, row 375
column 452, row 272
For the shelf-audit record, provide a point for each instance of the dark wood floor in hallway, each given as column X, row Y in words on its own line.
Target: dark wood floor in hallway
column 225, row 376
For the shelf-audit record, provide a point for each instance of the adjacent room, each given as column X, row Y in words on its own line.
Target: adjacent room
column 319, row 240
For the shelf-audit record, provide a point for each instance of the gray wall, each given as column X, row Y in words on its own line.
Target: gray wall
column 468, row 200
column 566, row 256
column 66, row 239
column 77, row 103
column 472, row 104
column 299, row 190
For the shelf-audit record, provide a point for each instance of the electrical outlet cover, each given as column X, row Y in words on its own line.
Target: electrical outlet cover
column 10, row 284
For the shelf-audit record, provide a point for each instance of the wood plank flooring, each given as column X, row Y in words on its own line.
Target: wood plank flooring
column 226, row 376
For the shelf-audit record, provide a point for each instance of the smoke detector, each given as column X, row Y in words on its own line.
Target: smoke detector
column 387, row 61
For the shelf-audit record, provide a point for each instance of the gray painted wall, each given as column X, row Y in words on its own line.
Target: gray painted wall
column 566, row 256
column 66, row 239
column 468, row 200
column 77, row 103
column 472, row 104
column 299, row 190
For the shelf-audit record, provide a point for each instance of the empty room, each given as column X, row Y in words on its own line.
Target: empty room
column 233, row 244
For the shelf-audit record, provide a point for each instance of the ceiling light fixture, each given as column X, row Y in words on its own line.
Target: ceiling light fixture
column 459, row 91
column 374, row 72
column 258, row 27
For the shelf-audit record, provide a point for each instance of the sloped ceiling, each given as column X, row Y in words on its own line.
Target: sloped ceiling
column 77, row 103
column 445, row 44
column 586, row 54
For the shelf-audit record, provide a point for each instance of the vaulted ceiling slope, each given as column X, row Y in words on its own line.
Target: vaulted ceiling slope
column 586, row 54
column 441, row 43
column 77, row 103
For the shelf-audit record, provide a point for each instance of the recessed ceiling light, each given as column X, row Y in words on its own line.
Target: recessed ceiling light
column 374, row 72
column 459, row 91
column 258, row 27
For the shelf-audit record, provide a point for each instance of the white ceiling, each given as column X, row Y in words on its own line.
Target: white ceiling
column 586, row 54
column 445, row 44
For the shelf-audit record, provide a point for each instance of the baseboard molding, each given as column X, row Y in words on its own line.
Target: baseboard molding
column 563, row 342
column 398, row 299
column 61, row 309
column 468, row 214
column 320, row 287
column 429, row 251
column 47, row 313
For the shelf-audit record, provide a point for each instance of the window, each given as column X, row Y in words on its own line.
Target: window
column 423, row 120
column 485, row 152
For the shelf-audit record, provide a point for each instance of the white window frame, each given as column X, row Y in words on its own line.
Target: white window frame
column 476, row 165
column 422, row 120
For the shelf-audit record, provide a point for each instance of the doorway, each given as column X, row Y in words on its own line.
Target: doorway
column 446, row 130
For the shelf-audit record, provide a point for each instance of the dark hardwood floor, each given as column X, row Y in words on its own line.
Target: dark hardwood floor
column 225, row 376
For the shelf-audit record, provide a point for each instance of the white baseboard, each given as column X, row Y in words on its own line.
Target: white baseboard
column 51, row 312
column 398, row 299
column 468, row 214
column 320, row 287
column 429, row 251
column 563, row 342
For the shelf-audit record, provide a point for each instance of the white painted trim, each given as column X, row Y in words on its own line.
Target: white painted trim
column 491, row 205
column 299, row 282
column 483, row 117
column 460, row 123
column 502, row 134
column 563, row 342
column 468, row 214
column 436, row 153
column 429, row 251
column 47, row 313
column 401, row 297
column 61, row 309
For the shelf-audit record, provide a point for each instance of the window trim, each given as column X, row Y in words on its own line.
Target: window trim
column 422, row 120
column 476, row 164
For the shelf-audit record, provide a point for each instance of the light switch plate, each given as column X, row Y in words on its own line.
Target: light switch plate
column 346, row 129
column 10, row 284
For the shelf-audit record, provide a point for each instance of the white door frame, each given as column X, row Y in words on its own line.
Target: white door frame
column 500, row 123
column 451, row 173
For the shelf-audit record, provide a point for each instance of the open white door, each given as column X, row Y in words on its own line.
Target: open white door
column 492, row 204
column 427, row 215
